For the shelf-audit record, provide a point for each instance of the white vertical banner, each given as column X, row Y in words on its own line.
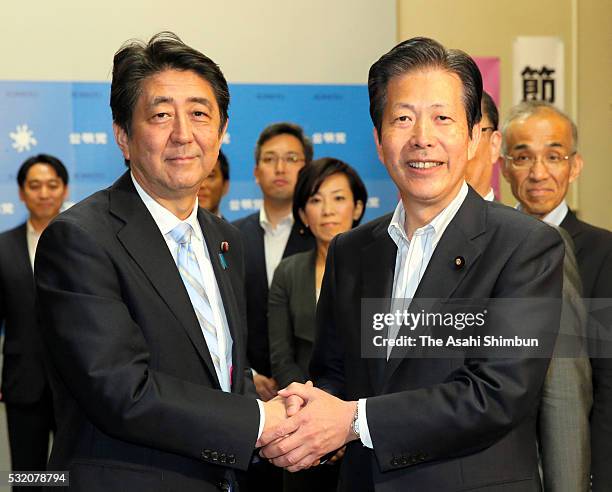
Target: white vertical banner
column 538, row 70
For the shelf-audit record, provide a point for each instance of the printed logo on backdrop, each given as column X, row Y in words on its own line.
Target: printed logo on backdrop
column 88, row 138
column 23, row 138
column 319, row 138
column 538, row 70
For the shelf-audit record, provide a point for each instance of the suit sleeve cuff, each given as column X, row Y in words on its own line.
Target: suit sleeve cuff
column 262, row 418
column 364, row 430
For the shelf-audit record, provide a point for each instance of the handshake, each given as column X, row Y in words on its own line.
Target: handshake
column 304, row 423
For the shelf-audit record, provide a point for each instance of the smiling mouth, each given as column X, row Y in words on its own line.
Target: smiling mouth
column 424, row 164
column 539, row 191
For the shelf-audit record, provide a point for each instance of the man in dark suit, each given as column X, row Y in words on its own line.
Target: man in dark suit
column 43, row 187
column 282, row 150
column 141, row 297
column 429, row 422
column 541, row 160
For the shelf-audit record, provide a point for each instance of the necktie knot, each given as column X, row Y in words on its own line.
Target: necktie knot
column 182, row 233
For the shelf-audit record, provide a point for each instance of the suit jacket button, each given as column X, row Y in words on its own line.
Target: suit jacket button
column 404, row 461
column 222, row 458
column 231, row 459
column 394, row 462
column 214, row 456
column 206, row 454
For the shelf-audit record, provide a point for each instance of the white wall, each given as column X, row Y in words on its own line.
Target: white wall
column 273, row 41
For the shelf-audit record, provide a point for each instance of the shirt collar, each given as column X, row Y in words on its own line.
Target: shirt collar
column 31, row 231
column 555, row 216
column 166, row 220
column 438, row 224
column 489, row 197
column 265, row 223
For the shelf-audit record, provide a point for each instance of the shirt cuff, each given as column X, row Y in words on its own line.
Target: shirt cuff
column 254, row 372
column 262, row 419
column 364, row 430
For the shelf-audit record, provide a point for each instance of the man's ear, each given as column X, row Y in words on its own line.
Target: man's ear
column 474, row 141
column 575, row 167
column 122, row 139
column 377, row 141
column 222, row 136
column 496, row 141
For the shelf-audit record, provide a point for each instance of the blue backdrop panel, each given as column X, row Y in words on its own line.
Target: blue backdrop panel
column 73, row 122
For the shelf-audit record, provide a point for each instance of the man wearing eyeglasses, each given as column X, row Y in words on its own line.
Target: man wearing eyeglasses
column 540, row 161
column 479, row 169
column 271, row 234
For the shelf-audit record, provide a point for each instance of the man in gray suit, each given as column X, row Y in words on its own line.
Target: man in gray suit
column 567, row 397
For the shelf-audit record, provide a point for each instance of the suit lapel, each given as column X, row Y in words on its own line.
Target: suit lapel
column 297, row 241
column 570, row 224
column 214, row 239
column 442, row 276
column 256, row 253
column 22, row 255
column 378, row 284
column 143, row 241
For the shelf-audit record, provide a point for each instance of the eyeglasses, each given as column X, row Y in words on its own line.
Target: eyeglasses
column 273, row 159
column 552, row 160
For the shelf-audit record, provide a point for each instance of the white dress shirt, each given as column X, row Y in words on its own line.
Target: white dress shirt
column 32, row 237
column 275, row 240
column 555, row 216
column 166, row 221
column 411, row 262
column 489, row 197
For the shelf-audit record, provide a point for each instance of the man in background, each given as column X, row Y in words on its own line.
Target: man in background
column 43, row 187
column 215, row 186
column 281, row 151
column 541, row 159
column 479, row 169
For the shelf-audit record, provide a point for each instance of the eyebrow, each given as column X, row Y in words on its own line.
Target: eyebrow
column 166, row 99
column 550, row 145
column 403, row 105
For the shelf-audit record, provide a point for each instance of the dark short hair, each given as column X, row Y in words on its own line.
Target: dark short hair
column 311, row 177
column 224, row 166
column 419, row 54
column 47, row 159
column 284, row 128
column 136, row 61
column 490, row 109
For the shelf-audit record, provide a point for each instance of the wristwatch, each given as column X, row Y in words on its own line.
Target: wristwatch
column 355, row 423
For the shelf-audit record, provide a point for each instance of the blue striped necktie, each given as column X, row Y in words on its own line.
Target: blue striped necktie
column 191, row 275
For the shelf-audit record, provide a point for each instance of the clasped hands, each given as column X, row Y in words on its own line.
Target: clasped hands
column 304, row 423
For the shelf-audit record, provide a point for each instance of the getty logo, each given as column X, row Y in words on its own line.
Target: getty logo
column 23, row 138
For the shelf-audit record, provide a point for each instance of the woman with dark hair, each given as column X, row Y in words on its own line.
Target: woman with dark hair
column 329, row 199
